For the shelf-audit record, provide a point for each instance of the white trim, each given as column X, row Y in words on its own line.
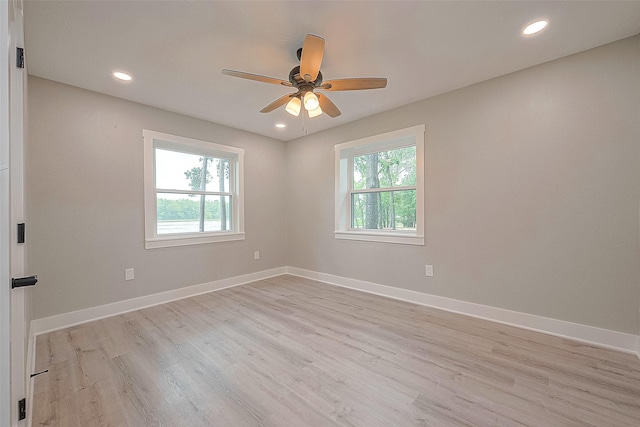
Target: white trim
column 344, row 154
column 235, row 155
column 65, row 320
column 182, row 144
column 621, row 341
column 17, row 89
column 5, row 294
column 182, row 240
column 382, row 141
column 369, row 236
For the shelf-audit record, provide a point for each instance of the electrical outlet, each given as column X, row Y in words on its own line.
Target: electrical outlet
column 256, row 255
column 128, row 274
column 429, row 270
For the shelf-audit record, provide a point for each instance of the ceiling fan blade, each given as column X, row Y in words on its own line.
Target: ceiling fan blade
column 256, row 77
column 328, row 106
column 355, row 84
column 311, row 59
column 277, row 103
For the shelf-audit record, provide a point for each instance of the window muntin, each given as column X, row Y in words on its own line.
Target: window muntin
column 380, row 188
column 193, row 191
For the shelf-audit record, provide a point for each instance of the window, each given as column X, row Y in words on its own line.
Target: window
column 380, row 188
column 193, row 191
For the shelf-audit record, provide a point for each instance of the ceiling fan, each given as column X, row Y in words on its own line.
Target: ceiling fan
column 307, row 78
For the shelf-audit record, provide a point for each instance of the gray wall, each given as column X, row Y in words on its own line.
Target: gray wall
column 532, row 193
column 532, row 196
column 85, row 209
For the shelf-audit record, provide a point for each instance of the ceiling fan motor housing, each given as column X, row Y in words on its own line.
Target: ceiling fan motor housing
column 296, row 79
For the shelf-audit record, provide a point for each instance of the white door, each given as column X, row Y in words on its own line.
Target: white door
column 11, row 197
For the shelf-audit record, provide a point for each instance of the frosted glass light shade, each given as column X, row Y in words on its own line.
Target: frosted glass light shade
column 293, row 106
column 311, row 101
column 315, row 113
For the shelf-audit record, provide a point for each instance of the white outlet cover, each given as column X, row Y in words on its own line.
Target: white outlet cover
column 429, row 270
column 129, row 274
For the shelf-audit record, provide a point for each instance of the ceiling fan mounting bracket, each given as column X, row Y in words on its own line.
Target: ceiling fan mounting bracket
column 296, row 79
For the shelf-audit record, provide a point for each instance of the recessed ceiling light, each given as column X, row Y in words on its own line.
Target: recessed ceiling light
column 281, row 125
column 121, row 76
column 535, row 27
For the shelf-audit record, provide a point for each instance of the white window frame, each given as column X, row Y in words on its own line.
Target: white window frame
column 153, row 140
column 344, row 154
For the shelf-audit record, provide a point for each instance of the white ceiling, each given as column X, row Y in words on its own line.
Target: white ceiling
column 176, row 49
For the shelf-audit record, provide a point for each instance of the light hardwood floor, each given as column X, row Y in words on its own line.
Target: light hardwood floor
column 294, row 352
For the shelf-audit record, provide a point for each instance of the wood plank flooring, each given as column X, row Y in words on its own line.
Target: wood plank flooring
column 289, row 351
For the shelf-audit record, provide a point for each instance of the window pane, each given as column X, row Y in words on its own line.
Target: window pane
column 385, row 169
column 217, row 213
column 386, row 210
column 185, row 171
column 178, row 213
column 192, row 213
column 218, row 174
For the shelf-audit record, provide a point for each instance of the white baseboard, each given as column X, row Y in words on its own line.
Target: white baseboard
column 65, row 320
column 628, row 343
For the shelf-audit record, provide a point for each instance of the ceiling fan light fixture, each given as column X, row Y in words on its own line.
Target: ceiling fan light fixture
column 311, row 101
column 293, row 106
column 315, row 113
column 306, row 77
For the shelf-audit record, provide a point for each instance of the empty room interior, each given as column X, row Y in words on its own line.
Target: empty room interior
column 323, row 213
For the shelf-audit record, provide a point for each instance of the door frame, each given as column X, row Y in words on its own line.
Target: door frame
column 13, row 332
column 5, row 276
column 16, row 206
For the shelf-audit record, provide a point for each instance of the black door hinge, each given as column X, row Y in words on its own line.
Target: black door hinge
column 22, row 409
column 20, row 57
column 21, row 232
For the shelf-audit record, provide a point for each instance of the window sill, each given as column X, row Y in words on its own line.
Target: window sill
column 182, row 240
column 381, row 237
